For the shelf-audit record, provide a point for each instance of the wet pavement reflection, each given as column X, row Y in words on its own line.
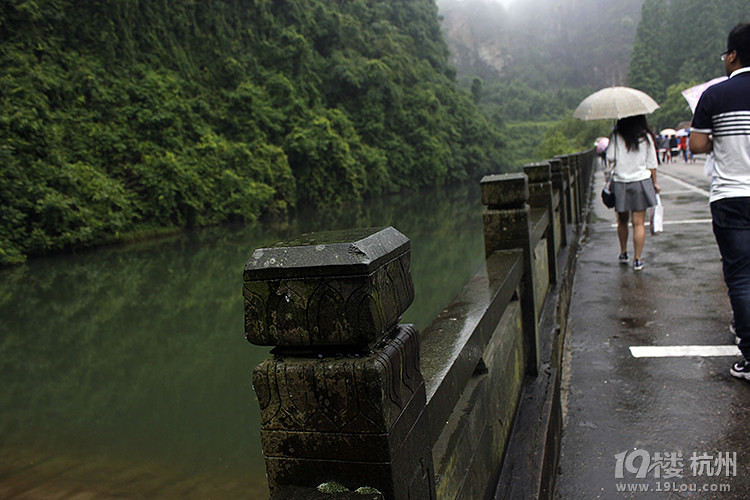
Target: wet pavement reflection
column 653, row 427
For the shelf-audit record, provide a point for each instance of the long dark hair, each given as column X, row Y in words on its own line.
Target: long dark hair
column 633, row 129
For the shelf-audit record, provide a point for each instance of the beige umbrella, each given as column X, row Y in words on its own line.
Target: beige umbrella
column 615, row 103
column 668, row 131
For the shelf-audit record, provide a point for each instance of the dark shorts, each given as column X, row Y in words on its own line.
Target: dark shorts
column 634, row 196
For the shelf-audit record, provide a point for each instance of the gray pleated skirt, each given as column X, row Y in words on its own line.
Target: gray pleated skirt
column 634, row 196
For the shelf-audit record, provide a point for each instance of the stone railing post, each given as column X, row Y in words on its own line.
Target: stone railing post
column 559, row 183
column 568, row 195
column 507, row 225
column 343, row 392
column 541, row 195
column 575, row 199
column 581, row 193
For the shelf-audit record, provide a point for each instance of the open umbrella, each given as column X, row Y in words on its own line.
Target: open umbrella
column 601, row 144
column 668, row 132
column 692, row 94
column 615, row 103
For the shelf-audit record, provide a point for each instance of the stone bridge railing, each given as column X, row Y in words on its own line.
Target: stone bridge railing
column 470, row 407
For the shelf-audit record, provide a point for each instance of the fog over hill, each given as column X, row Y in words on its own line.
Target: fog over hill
column 547, row 43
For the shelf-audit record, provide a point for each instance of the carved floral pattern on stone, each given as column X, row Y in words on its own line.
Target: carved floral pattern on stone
column 364, row 394
column 328, row 311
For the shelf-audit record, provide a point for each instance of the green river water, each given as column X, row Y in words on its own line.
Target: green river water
column 125, row 371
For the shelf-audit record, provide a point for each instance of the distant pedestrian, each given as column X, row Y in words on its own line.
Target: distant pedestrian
column 674, row 147
column 633, row 152
column 683, row 148
column 721, row 124
column 666, row 155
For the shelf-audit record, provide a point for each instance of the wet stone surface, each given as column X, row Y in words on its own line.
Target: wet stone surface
column 616, row 404
column 328, row 289
column 504, row 190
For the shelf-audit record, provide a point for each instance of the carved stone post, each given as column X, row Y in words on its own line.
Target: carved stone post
column 559, row 183
column 507, row 225
column 541, row 195
column 571, row 199
column 343, row 391
column 580, row 187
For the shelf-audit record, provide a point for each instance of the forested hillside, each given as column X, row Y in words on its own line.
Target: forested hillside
column 529, row 65
column 124, row 116
column 677, row 45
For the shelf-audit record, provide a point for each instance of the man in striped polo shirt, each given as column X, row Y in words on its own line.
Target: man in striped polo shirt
column 721, row 124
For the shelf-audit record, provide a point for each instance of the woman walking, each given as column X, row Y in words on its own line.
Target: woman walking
column 631, row 149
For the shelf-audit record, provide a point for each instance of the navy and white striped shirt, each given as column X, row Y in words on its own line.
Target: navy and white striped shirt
column 724, row 111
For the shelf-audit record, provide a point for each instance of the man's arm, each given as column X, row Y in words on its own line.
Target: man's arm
column 700, row 143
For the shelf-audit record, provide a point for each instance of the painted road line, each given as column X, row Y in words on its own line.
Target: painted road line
column 687, row 221
column 677, row 351
column 676, row 222
column 684, row 184
column 673, row 192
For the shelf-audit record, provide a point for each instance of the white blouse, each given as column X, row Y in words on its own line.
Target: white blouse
column 631, row 166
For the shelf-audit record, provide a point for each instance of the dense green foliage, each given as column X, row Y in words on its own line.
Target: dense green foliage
column 125, row 115
column 677, row 45
column 516, row 101
column 528, row 117
column 571, row 135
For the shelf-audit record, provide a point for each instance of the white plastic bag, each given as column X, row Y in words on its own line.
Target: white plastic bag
column 657, row 217
column 708, row 168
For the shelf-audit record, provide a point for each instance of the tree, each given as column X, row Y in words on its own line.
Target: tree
column 682, row 56
column 119, row 117
column 649, row 63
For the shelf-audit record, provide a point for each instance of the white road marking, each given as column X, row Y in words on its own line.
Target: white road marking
column 672, row 192
column 687, row 221
column 671, row 222
column 675, row 351
column 685, row 184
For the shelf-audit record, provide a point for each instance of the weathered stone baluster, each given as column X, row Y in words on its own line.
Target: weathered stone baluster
column 342, row 393
column 580, row 185
column 571, row 198
column 541, row 195
column 507, row 225
column 559, row 183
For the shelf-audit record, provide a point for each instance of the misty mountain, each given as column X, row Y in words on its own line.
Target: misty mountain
column 549, row 44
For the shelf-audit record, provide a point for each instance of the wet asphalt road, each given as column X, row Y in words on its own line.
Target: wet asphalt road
column 682, row 413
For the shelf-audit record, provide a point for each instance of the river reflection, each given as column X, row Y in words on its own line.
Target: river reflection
column 125, row 372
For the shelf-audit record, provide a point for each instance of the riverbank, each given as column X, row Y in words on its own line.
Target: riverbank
column 134, row 354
